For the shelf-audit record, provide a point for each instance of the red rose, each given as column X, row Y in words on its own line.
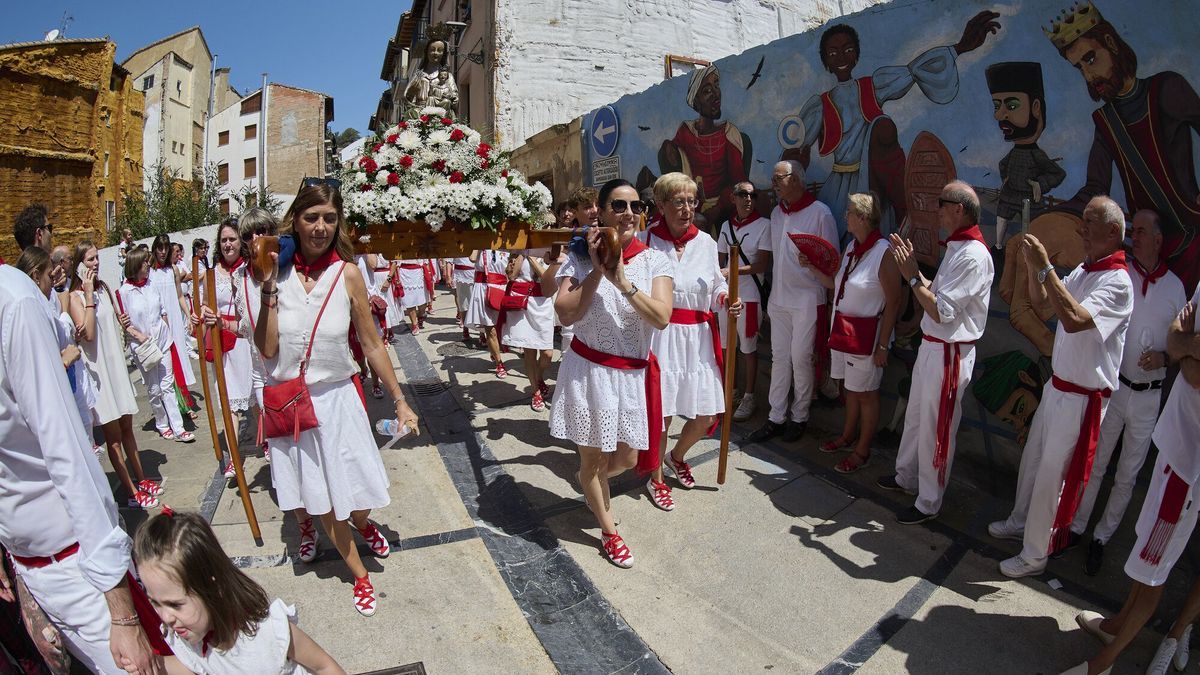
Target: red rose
column 365, row 187
column 377, row 147
column 406, row 161
column 438, row 165
column 393, row 179
column 457, row 135
column 447, row 121
column 403, row 124
column 456, row 177
column 504, row 173
column 483, row 150
column 368, row 165
column 484, row 164
column 393, row 138
column 424, row 118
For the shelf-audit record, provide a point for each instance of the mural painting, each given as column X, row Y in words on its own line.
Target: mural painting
column 1089, row 99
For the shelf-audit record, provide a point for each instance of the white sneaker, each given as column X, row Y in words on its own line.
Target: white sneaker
column 1181, row 652
column 1162, row 657
column 1090, row 622
column 1017, row 567
column 1002, row 530
column 745, row 409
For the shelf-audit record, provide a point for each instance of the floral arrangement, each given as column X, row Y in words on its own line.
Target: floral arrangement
column 434, row 169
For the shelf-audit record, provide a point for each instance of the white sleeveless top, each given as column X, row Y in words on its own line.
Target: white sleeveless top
column 863, row 295
column 331, row 360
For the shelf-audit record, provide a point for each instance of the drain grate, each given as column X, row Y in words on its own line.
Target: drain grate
column 457, row 349
column 428, row 388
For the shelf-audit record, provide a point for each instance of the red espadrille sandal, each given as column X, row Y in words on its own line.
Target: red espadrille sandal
column 616, row 550
column 364, row 596
column 308, row 541
column 377, row 542
column 682, row 471
column 660, row 494
column 151, row 488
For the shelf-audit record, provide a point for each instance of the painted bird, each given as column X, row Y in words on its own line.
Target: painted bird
column 757, row 72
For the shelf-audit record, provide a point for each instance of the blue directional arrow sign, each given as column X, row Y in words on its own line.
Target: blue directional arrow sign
column 604, row 132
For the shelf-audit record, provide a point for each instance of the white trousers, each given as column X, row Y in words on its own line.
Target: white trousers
column 1044, row 464
column 914, row 459
column 793, row 332
column 1136, row 412
column 160, row 384
column 76, row 609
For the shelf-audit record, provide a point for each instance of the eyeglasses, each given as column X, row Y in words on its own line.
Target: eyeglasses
column 779, row 178
column 744, row 194
column 330, row 218
column 942, row 201
column 619, row 206
column 49, row 227
column 262, row 231
column 331, row 182
column 680, row 202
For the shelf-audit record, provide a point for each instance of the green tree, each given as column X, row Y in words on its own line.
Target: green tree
column 171, row 203
column 249, row 197
column 346, row 137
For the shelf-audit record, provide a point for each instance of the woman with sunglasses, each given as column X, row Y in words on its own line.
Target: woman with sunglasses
column 303, row 316
column 165, row 279
column 689, row 348
column 606, row 398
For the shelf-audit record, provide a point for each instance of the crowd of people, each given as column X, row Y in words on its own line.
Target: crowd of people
column 642, row 318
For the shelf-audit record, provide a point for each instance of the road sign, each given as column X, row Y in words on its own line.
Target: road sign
column 604, row 132
column 604, row 170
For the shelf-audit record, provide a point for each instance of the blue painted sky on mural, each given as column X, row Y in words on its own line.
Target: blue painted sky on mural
column 893, row 35
column 336, row 48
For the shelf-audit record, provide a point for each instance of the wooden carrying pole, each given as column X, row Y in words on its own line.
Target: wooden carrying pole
column 231, row 432
column 212, row 420
column 730, row 363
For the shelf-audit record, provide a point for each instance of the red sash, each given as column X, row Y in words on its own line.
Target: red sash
column 411, row 266
column 493, row 278
column 463, row 268
column 427, row 268
column 1169, row 511
column 692, row 317
column 530, row 289
column 951, row 359
column 1080, row 468
column 180, row 381
column 648, row 459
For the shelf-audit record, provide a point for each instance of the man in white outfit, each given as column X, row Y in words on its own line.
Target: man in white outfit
column 1158, row 296
column 956, row 307
column 1093, row 305
column 58, row 520
column 796, row 302
column 747, row 230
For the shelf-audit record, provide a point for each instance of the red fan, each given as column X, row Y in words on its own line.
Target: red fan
column 819, row 252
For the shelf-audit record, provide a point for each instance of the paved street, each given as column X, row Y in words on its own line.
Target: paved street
column 788, row 567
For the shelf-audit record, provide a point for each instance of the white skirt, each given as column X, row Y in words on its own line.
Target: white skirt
column 691, row 385
column 532, row 328
column 334, row 467
column 415, row 293
column 598, row 407
column 478, row 313
column 238, row 372
column 1155, row 574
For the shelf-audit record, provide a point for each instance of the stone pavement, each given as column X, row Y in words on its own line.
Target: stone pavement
column 789, row 566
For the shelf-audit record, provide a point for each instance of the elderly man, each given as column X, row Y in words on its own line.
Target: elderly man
column 796, row 304
column 57, row 517
column 1093, row 305
column 747, row 229
column 1158, row 296
column 956, row 306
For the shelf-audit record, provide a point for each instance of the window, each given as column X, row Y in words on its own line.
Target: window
column 110, row 214
column 251, row 168
column 223, row 138
column 106, row 165
column 179, row 87
column 223, row 173
column 252, row 104
column 251, row 132
column 224, row 207
column 174, row 147
column 147, row 83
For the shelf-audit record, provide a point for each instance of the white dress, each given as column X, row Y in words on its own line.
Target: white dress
column 413, row 281
column 264, row 652
column 163, row 280
column 692, row 385
column 532, row 328
column 335, row 466
column 248, row 315
column 594, row 405
column 85, row 393
column 478, row 313
column 237, row 360
column 104, row 359
column 377, row 283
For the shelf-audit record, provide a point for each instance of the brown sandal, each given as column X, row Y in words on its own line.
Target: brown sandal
column 852, row 463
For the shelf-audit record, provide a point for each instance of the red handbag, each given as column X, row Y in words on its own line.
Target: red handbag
column 379, row 306
column 853, row 334
column 287, row 406
column 228, row 338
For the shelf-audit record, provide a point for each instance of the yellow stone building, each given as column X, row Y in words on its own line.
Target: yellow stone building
column 72, row 137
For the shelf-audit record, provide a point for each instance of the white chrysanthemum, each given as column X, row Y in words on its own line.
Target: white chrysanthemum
column 439, row 137
column 409, row 139
column 433, row 111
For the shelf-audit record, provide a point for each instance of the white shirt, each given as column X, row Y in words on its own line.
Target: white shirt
column 1148, row 325
column 751, row 238
column 330, row 360
column 1179, row 427
column 698, row 279
column 611, row 325
column 1090, row 358
column 146, row 313
column 792, row 286
column 863, row 295
column 52, row 491
column 962, row 288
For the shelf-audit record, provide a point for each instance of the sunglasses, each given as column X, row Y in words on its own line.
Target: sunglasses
column 331, row 182
column 619, row 206
column 312, row 218
column 743, row 194
column 262, row 232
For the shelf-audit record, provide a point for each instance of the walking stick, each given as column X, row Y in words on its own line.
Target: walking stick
column 210, row 288
column 730, row 364
column 212, row 420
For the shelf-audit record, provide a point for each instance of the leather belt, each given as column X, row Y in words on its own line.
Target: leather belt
column 1140, row 386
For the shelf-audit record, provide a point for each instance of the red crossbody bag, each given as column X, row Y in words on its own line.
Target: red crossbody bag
column 287, row 406
column 852, row 334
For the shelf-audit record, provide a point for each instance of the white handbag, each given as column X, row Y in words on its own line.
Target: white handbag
column 146, row 354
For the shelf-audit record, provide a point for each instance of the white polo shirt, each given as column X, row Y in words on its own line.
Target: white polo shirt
column 1148, row 324
column 1091, row 358
column 1179, row 426
column 962, row 288
column 792, row 286
column 750, row 236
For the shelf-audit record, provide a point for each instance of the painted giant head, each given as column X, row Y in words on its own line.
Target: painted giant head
column 1018, row 99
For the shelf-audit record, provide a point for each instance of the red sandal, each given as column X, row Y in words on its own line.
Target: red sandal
column 852, row 463
column 836, row 445
column 151, row 488
column 364, row 596
column 660, row 494
column 308, row 541
column 616, row 550
column 377, row 542
column 682, row 471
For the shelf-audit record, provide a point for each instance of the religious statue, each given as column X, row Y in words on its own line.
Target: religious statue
column 432, row 84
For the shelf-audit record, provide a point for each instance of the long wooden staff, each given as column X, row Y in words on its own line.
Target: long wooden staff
column 730, row 363
column 212, row 420
column 231, row 432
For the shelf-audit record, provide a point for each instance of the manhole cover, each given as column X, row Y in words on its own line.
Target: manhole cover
column 457, row 349
column 428, row 388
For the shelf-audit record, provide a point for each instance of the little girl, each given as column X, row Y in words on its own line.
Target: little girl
column 218, row 620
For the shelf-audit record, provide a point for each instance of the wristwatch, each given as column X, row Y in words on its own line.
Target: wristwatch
column 914, row 281
column 633, row 289
column 1043, row 272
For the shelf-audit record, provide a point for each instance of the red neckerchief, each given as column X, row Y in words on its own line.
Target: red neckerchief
column 858, row 250
column 634, row 247
column 1151, row 276
column 663, row 232
column 739, row 224
column 313, row 270
column 805, row 200
column 964, row 234
column 137, row 284
column 206, row 644
column 1115, row 261
column 231, row 268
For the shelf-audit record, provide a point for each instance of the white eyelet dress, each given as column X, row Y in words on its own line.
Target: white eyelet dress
column 594, row 405
column 237, row 360
column 335, row 466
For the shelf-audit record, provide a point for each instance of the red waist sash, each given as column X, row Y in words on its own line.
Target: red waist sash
column 410, row 266
column 463, row 268
column 692, row 317
column 951, row 358
column 530, row 288
column 1080, row 468
column 493, row 278
column 38, row 561
column 1169, row 509
column 648, row 459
